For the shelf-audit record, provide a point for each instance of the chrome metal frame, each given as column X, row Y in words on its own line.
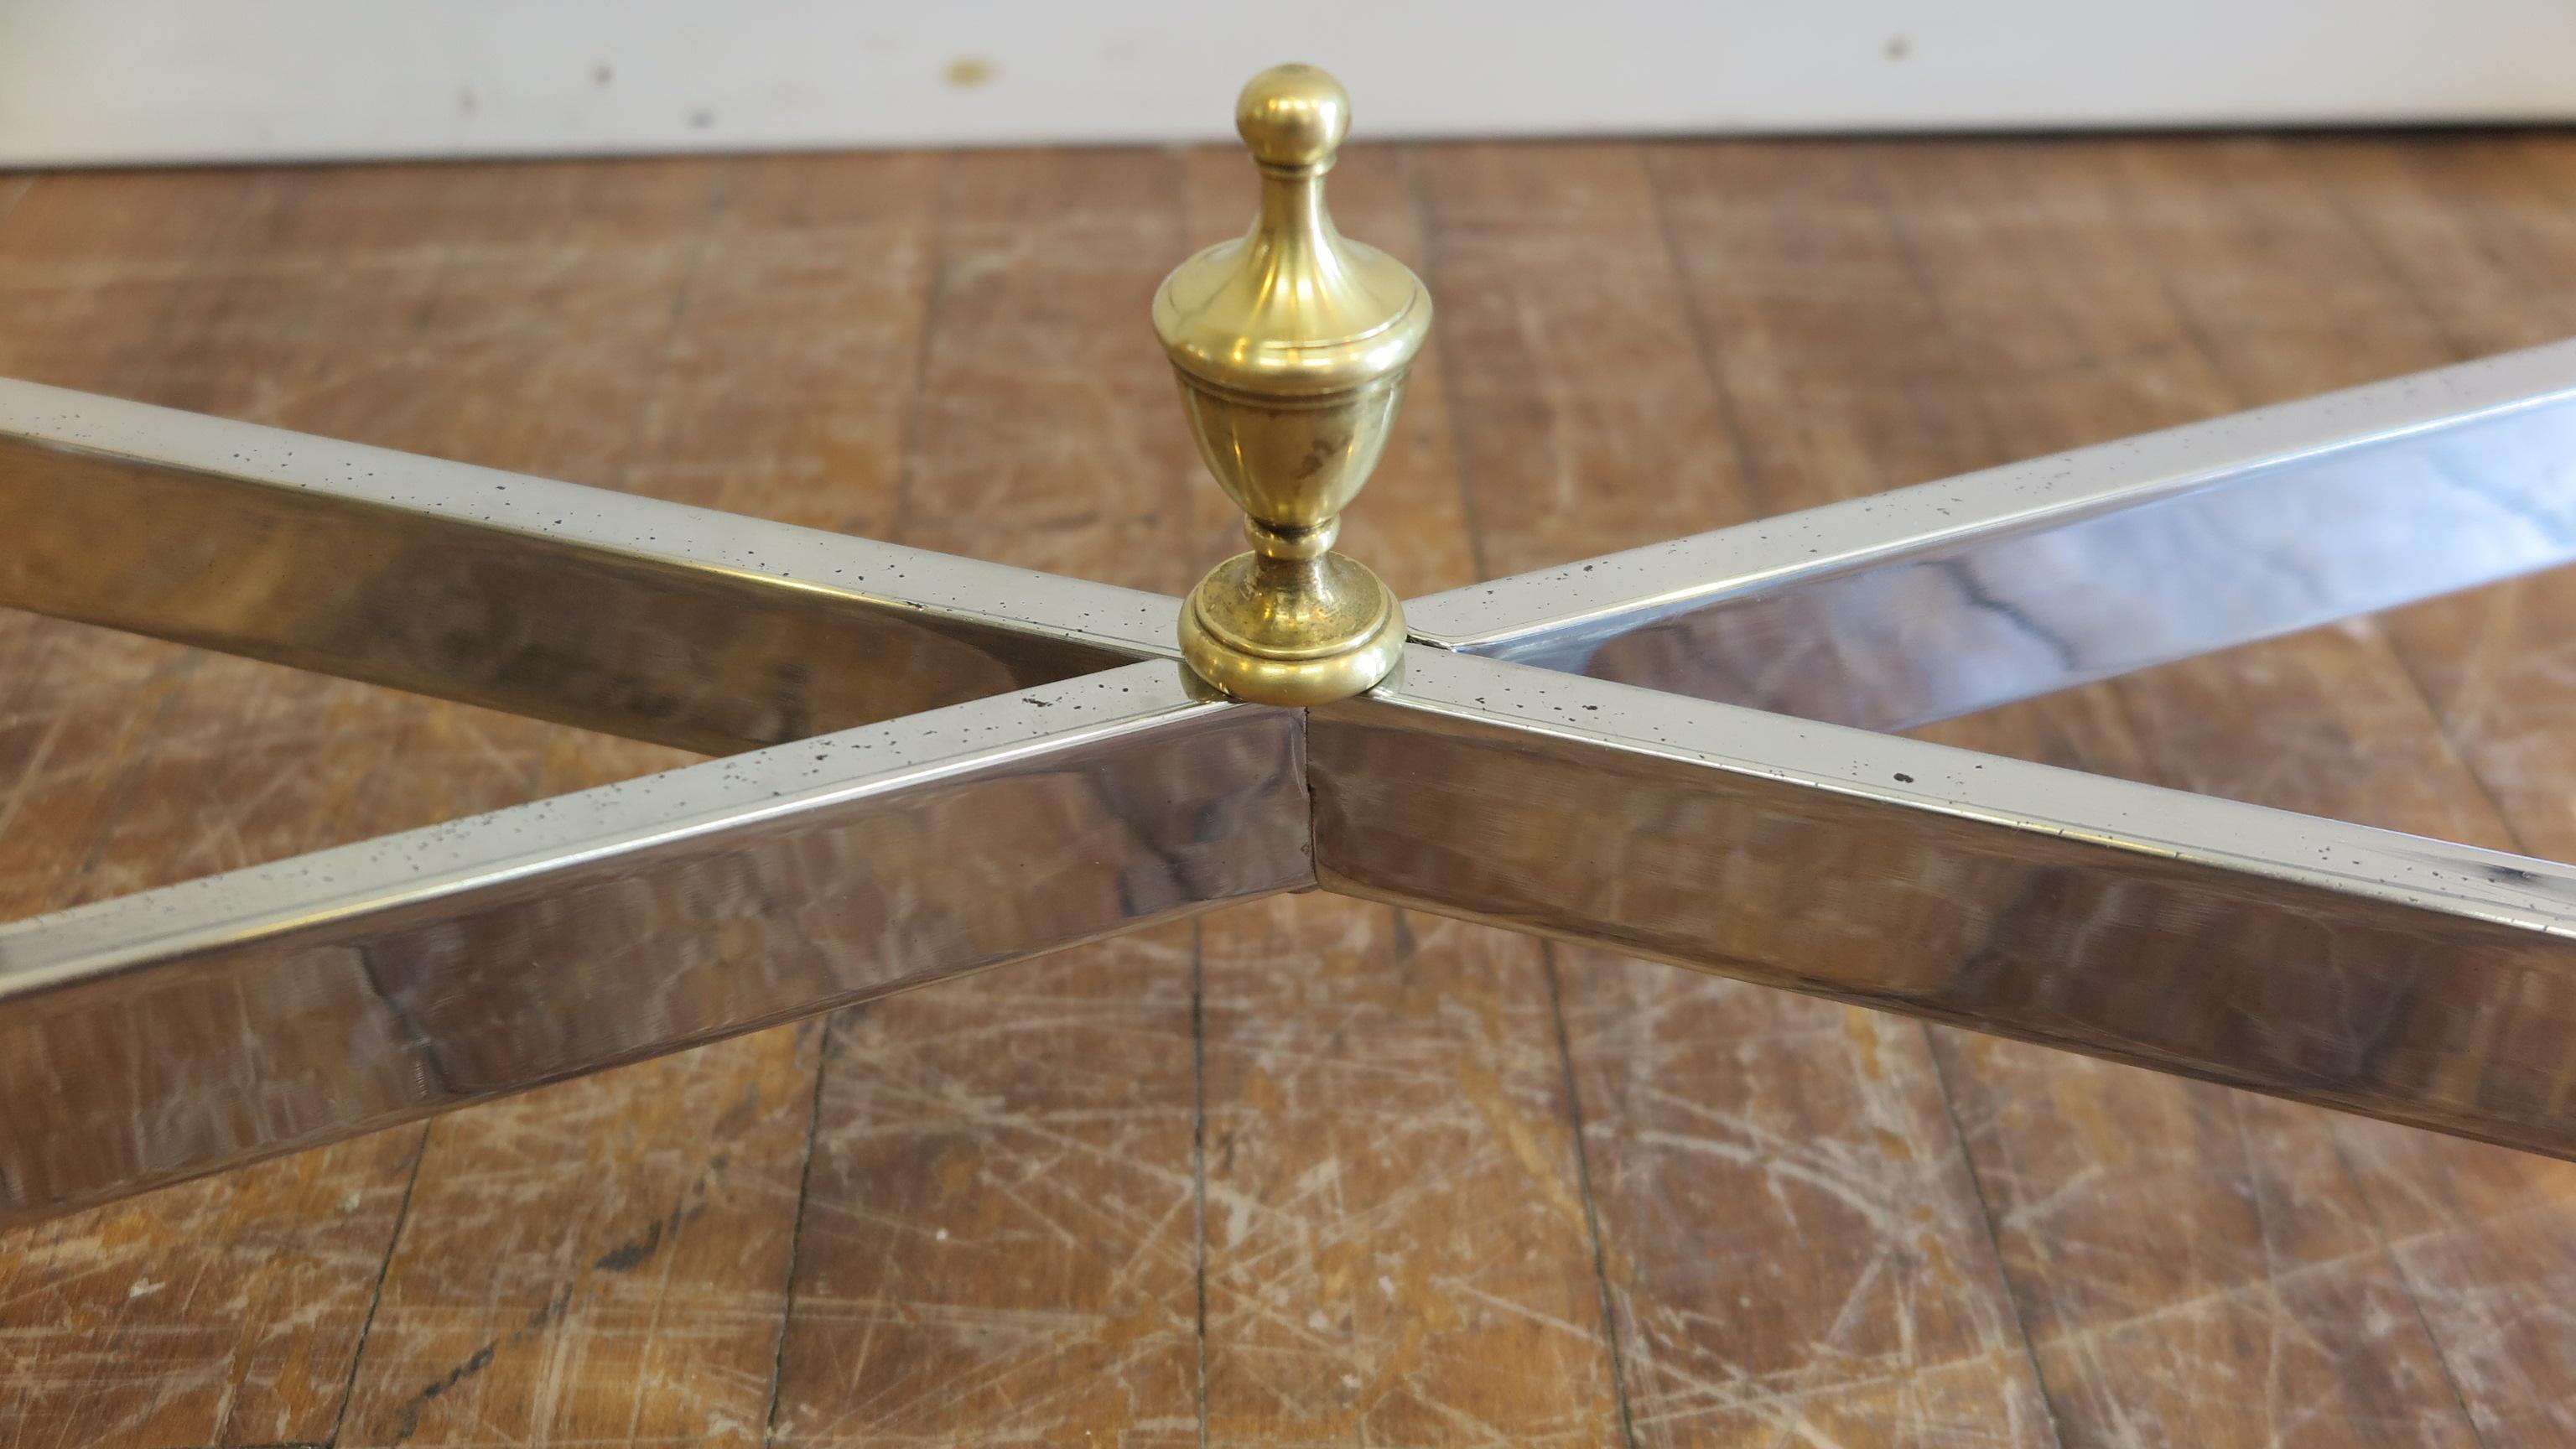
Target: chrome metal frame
column 1666, row 752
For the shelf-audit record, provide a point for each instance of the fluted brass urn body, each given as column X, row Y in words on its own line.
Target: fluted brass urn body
column 1292, row 346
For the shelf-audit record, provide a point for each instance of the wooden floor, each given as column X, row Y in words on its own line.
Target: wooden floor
column 1308, row 1171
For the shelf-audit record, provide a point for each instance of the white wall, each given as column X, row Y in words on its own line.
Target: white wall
column 85, row 81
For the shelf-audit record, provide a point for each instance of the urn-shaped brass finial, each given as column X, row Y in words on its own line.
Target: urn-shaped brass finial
column 1292, row 346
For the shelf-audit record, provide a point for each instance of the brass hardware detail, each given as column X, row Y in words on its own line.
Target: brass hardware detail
column 1292, row 346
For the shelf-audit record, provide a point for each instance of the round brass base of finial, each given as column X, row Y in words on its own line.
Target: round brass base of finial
column 1310, row 631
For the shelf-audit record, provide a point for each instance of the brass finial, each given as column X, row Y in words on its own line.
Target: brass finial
column 1292, row 346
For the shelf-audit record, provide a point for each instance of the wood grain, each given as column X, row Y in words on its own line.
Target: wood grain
column 640, row 1295
column 1347, row 1296
column 232, row 1310
column 2474, row 238
column 2190, row 1261
column 1794, row 1243
column 1001, row 1224
column 2482, row 1237
column 1309, row 1171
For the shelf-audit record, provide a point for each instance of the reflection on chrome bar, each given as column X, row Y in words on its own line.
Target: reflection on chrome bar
column 187, row 1029
column 2410, row 979
column 1908, row 607
column 683, row 626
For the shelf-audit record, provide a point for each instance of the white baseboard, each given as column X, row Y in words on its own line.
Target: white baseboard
column 120, row 81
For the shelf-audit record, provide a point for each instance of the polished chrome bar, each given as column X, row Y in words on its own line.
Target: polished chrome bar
column 183, row 1030
column 628, row 615
column 2410, row 979
column 1907, row 607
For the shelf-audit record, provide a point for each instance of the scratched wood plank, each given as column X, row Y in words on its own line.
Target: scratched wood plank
column 222, row 1313
column 786, row 377
column 2462, row 248
column 1042, row 433
column 328, row 301
column 1585, row 418
column 1366, row 1071
column 999, row 1237
column 2478, row 235
column 1398, row 1249
column 999, row 1241
column 607, row 1260
column 1788, row 1230
column 2193, row 1263
column 601, row 1262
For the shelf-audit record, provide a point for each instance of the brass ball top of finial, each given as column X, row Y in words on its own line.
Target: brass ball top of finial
column 1293, row 116
column 1291, row 309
